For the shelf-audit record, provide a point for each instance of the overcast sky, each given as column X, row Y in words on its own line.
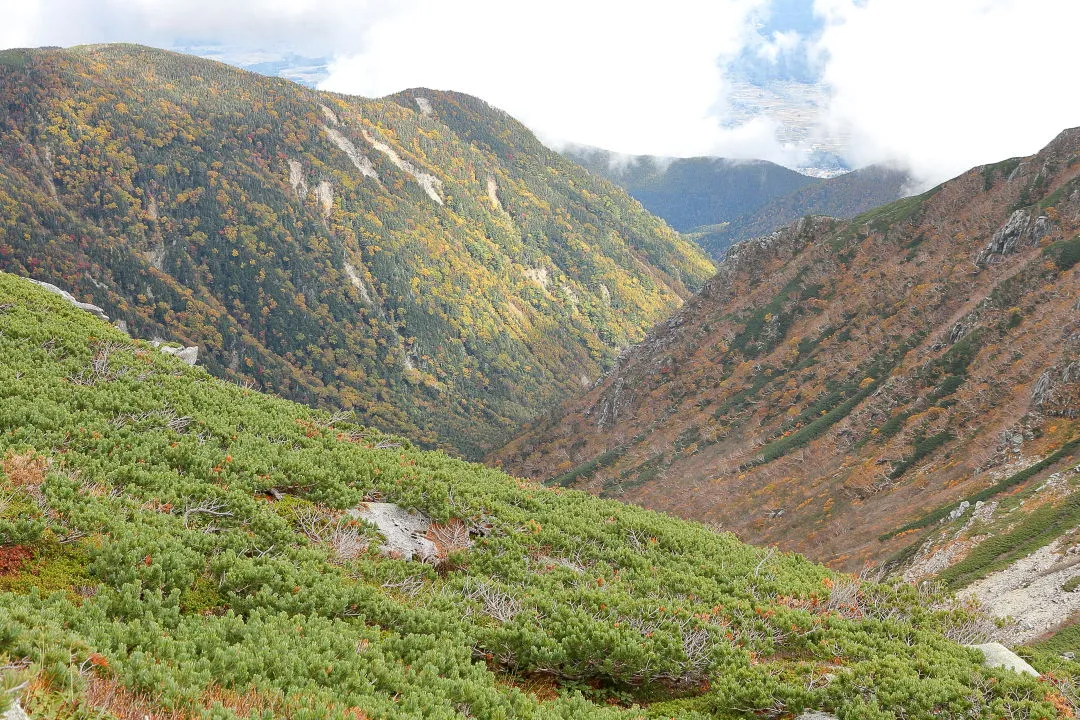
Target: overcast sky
column 937, row 85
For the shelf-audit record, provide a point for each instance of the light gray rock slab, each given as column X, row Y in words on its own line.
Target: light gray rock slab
column 92, row 309
column 997, row 655
column 403, row 529
column 190, row 355
column 15, row 712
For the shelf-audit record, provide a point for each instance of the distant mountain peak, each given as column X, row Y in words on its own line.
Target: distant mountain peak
column 720, row 201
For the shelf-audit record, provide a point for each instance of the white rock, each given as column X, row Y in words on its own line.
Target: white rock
column 357, row 282
column 329, row 115
column 360, row 161
column 190, row 355
column 430, row 184
column 15, row 712
column 997, row 655
column 296, row 179
column 425, row 106
column 539, row 275
column 92, row 309
column 960, row 510
column 403, row 529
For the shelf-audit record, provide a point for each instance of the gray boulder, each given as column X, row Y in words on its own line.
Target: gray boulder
column 403, row 529
column 1054, row 389
column 15, row 712
column 1019, row 230
column 92, row 309
column 997, row 655
column 190, row 355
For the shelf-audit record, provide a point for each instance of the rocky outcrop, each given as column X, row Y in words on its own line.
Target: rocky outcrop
column 190, row 355
column 1019, row 230
column 428, row 182
column 92, row 309
column 997, row 655
column 15, row 712
column 1057, row 391
column 403, row 529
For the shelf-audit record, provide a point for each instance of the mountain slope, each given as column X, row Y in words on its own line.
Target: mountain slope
column 421, row 259
column 835, row 381
column 174, row 546
column 719, row 202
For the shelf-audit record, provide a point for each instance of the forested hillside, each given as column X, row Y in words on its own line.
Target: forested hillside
column 693, row 192
column 838, row 388
column 842, row 196
column 718, row 201
column 421, row 259
column 173, row 546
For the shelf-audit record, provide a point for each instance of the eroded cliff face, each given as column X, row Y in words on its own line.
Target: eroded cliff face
column 836, row 380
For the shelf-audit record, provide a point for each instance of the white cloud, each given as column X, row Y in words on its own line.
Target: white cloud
column 302, row 26
column 778, row 44
column 630, row 77
column 21, row 24
column 943, row 86
column 939, row 85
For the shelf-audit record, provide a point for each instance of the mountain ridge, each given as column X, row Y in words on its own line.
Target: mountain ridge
column 720, row 201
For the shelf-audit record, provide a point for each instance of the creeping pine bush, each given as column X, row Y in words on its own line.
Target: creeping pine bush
column 185, row 553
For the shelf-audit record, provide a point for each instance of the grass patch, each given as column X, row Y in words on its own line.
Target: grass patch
column 1066, row 639
column 55, row 568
